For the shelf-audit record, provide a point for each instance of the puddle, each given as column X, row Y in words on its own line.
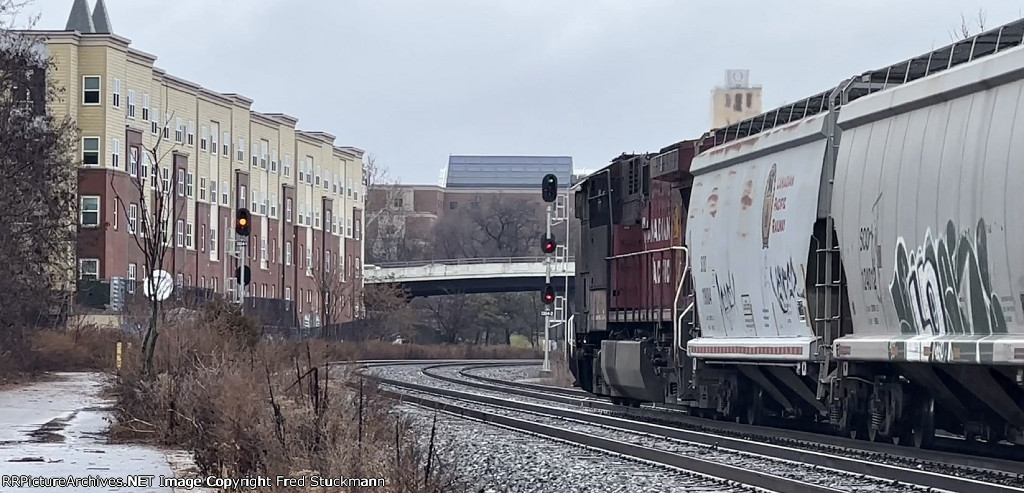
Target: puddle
column 50, row 432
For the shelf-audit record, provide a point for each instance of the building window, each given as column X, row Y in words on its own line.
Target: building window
column 181, row 182
column 255, row 202
column 358, row 233
column 213, row 284
column 263, row 204
column 264, row 153
column 115, row 153
column 191, row 133
column 89, row 268
column 263, row 251
column 202, row 188
column 91, row 151
column 204, row 138
column 132, row 273
column 154, row 123
column 165, row 179
column 133, row 162
column 131, row 104
column 189, row 188
column 214, row 130
column 224, row 192
column 90, row 211
column 167, row 128
column 133, row 218
column 116, row 100
column 241, row 196
column 179, row 234
column 188, row 235
column 144, row 172
column 316, row 219
column 288, row 210
column 226, row 144
column 273, row 160
column 240, row 151
column 288, row 293
column 213, row 243
column 213, row 191
column 273, row 206
column 179, row 130
column 317, row 177
column 453, row 205
column 254, row 153
column 145, row 107
column 91, row 90
column 286, row 165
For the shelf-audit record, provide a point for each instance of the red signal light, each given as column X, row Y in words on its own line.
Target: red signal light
column 548, row 244
column 549, row 294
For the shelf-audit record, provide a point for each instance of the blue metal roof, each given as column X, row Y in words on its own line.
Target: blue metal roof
column 506, row 171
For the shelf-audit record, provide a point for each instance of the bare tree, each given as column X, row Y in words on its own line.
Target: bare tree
column 964, row 31
column 38, row 179
column 337, row 296
column 454, row 314
column 151, row 193
column 386, row 311
column 500, row 226
column 385, row 217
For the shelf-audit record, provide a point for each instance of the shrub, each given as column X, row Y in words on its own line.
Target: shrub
column 261, row 407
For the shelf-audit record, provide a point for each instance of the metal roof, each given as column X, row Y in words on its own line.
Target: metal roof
column 957, row 53
column 506, row 171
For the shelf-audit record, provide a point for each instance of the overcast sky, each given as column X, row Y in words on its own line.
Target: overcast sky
column 413, row 81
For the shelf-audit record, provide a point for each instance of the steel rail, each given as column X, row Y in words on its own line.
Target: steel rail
column 677, row 461
column 822, row 459
column 573, row 396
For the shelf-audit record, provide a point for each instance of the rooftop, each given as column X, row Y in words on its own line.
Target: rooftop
column 505, row 172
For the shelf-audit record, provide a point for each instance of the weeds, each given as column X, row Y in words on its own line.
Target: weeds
column 246, row 406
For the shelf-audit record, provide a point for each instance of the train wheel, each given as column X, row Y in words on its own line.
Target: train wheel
column 924, row 425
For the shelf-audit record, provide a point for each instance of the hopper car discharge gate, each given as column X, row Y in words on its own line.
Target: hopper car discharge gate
column 866, row 381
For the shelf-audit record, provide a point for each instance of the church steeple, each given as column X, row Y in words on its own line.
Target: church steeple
column 80, row 20
column 100, row 19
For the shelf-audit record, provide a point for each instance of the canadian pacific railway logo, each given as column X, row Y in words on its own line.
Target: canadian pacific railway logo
column 769, row 205
column 929, row 282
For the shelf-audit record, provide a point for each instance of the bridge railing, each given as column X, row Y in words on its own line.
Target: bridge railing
column 459, row 261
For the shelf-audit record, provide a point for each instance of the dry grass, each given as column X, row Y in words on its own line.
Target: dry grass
column 77, row 349
column 246, row 406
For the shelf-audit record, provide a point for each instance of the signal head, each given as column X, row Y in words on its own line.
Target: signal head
column 243, row 222
column 549, row 187
column 548, row 296
column 548, row 244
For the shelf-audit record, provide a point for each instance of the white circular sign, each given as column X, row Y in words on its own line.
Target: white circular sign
column 163, row 282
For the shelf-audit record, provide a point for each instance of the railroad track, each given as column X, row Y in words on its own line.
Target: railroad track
column 792, row 468
column 943, row 470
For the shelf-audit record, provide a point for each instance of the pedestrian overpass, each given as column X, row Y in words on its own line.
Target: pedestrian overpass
column 475, row 275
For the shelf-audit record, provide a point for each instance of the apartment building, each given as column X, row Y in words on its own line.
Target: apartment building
column 214, row 154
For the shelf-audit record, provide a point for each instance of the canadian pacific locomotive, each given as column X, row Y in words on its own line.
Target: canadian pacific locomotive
column 851, row 258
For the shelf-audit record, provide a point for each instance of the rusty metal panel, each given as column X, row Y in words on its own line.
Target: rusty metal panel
column 751, row 216
column 927, row 204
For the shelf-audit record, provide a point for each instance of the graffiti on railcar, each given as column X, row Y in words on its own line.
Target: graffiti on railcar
column 786, row 285
column 726, row 292
column 944, row 286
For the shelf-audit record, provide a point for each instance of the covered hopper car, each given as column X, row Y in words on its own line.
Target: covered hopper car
column 854, row 258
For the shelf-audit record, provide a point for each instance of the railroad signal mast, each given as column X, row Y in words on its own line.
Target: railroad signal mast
column 554, row 306
column 243, row 276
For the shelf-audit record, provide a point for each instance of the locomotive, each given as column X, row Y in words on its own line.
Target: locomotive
column 848, row 259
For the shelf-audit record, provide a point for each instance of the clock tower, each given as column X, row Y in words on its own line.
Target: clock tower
column 736, row 101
